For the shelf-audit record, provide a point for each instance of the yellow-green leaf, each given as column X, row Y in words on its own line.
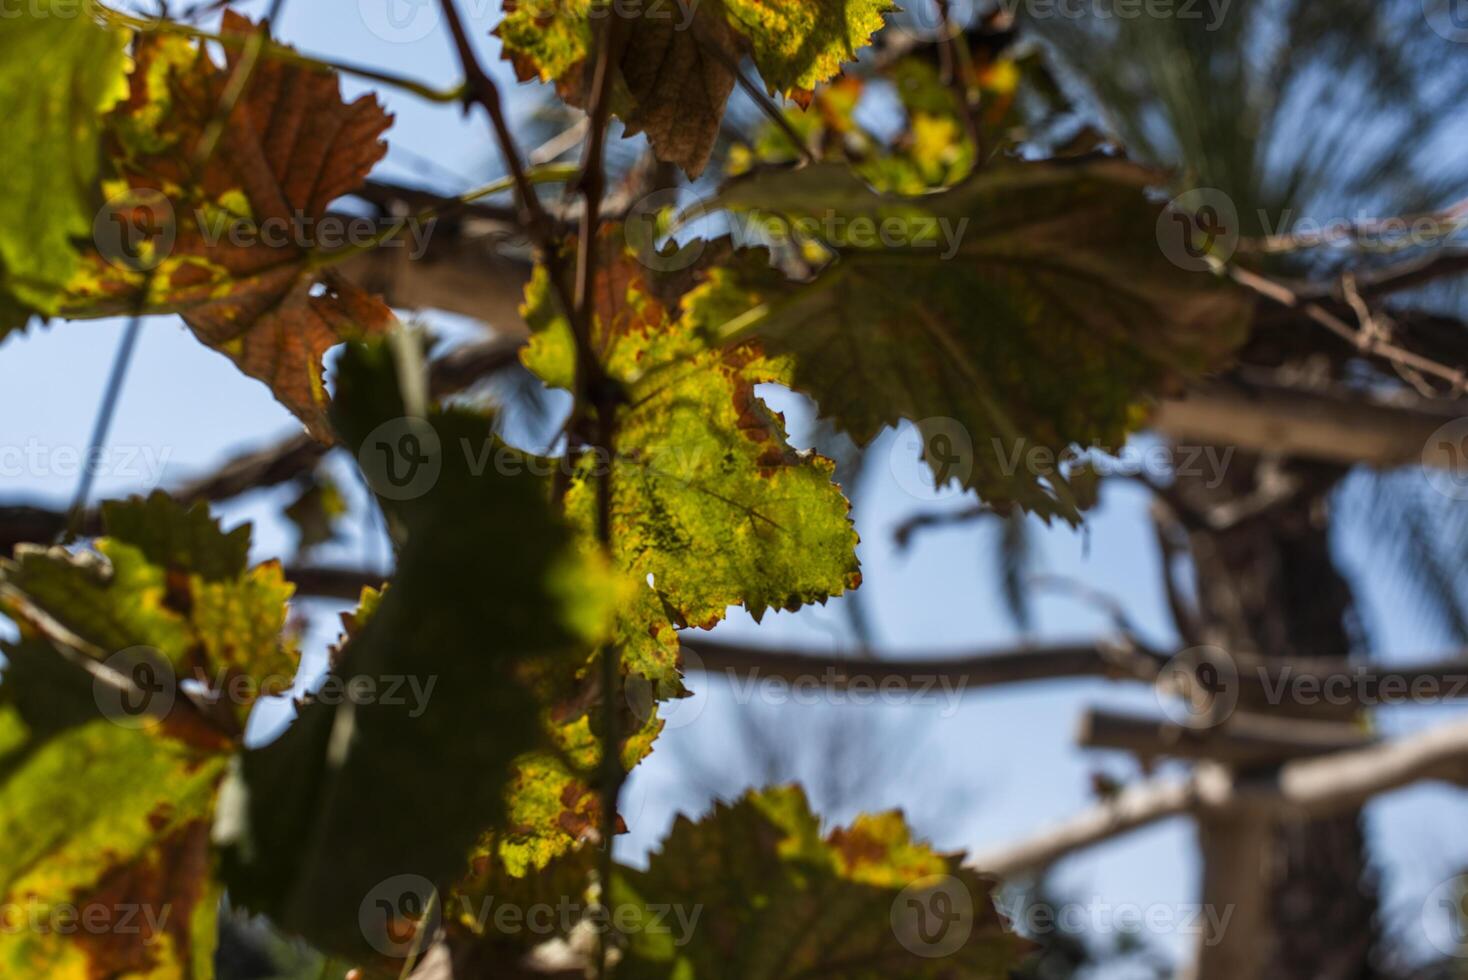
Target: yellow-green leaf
column 674, row 70
column 60, row 71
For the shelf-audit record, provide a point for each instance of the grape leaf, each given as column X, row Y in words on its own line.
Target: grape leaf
column 1031, row 304
column 673, row 72
column 493, row 603
column 239, row 194
column 777, row 899
column 125, row 889
column 106, row 869
column 552, row 808
column 711, row 506
column 710, row 501
column 60, row 71
column 753, row 889
column 172, row 582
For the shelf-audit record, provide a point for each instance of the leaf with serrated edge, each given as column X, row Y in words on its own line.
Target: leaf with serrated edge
column 175, row 581
column 710, row 501
column 245, row 191
column 673, row 74
column 755, row 889
column 775, row 898
column 1031, row 304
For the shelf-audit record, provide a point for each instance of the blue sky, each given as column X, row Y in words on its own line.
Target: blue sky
column 1009, row 751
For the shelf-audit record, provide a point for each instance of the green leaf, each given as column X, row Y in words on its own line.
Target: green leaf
column 60, row 71
column 754, row 889
column 168, row 579
column 777, row 899
column 710, row 500
column 172, row 537
column 673, row 72
column 107, row 810
column 711, row 506
column 492, row 604
column 1024, row 313
column 109, row 826
column 800, row 44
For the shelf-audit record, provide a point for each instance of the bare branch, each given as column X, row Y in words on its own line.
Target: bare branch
column 1346, row 427
column 1298, row 790
column 987, row 669
column 1131, row 809
column 1244, row 741
column 1365, row 342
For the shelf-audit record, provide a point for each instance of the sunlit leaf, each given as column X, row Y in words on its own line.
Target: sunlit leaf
column 109, row 765
column 675, row 69
column 218, row 192
column 60, row 71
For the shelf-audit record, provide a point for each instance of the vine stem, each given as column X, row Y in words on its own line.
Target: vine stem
column 598, row 397
column 103, row 424
column 597, row 393
column 479, row 87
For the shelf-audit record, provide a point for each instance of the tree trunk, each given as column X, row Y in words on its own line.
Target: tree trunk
column 1268, row 583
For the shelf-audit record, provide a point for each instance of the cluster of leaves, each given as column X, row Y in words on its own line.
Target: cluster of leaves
column 672, row 80
column 111, row 771
column 1027, row 303
column 198, row 158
